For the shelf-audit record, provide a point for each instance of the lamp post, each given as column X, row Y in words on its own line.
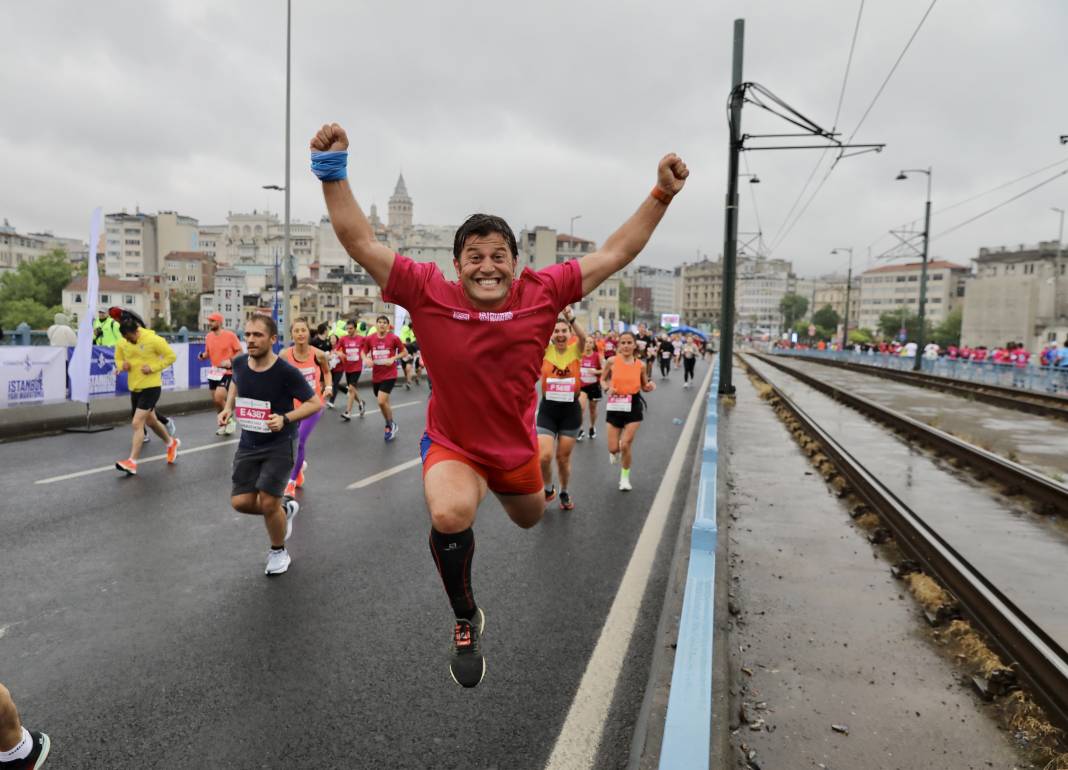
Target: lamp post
column 572, row 228
column 285, row 267
column 753, row 178
column 849, row 286
column 1057, row 264
column 917, row 362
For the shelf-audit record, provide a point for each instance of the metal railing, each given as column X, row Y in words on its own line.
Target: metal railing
column 23, row 335
column 1041, row 379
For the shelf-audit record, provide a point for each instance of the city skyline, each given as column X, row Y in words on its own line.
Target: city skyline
column 536, row 137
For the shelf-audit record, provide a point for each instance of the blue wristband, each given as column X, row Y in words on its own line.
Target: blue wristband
column 330, row 166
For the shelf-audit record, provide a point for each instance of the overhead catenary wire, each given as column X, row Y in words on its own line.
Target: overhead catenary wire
column 837, row 112
column 977, row 196
column 959, row 225
column 781, row 238
column 992, row 209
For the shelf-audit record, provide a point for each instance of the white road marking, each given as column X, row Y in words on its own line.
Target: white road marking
column 182, row 452
column 384, row 474
column 154, row 458
column 580, row 737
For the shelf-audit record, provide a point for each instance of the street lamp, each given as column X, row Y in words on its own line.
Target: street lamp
column 572, row 229
column 849, row 286
column 1057, row 264
column 917, row 362
column 753, row 178
column 285, row 272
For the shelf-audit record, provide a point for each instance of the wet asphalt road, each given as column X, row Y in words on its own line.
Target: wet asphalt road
column 138, row 630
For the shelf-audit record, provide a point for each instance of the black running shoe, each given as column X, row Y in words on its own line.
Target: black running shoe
column 466, row 664
column 579, row 437
column 593, row 433
column 35, row 759
column 566, row 503
column 550, row 494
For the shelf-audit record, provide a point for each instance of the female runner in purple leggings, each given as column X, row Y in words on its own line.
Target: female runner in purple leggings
column 315, row 366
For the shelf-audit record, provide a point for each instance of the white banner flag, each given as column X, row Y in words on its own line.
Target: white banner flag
column 600, row 324
column 83, row 351
column 399, row 314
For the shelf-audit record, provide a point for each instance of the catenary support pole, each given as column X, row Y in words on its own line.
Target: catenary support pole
column 730, row 228
column 287, row 272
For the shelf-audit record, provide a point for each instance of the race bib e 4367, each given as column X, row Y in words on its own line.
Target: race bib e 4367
column 252, row 414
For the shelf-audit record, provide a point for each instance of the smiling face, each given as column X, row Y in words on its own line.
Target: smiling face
column 486, row 269
column 561, row 334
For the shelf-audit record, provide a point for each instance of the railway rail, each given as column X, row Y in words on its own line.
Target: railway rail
column 1037, row 659
column 1030, row 401
column 1050, row 494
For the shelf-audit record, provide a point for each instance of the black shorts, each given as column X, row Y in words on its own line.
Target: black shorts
column 224, row 383
column 351, row 378
column 593, row 391
column 558, row 418
column 263, row 469
column 636, row 413
column 386, row 386
column 144, row 399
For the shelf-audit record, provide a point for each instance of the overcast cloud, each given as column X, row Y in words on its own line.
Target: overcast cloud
column 537, row 111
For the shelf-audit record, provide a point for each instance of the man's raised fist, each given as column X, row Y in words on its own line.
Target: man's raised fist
column 671, row 173
column 330, row 137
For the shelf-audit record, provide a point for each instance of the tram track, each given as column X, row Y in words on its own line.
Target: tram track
column 1037, row 659
column 1049, row 494
column 1031, row 402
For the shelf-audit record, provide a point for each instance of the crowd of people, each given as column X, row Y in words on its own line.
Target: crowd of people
column 1014, row 354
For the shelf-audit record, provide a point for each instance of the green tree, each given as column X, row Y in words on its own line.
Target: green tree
column 948, row 332
column 626, row 308
column 860, row 336
column 826, row 318
column 185, row 311
column 793, row 308
column 27, row 310
column 41, row 280
column 890, row 324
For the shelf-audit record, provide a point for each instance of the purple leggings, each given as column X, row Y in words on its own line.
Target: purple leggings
column 307, row 425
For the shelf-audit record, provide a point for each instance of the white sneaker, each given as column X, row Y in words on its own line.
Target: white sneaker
column 220, row 431
column 613, row 458
column 330, row 405
column 277, row 562
column 292, row 507
column 231, row 426
column 145, row 440
column 624, row 484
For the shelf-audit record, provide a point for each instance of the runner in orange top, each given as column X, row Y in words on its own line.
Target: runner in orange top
column 624, row 380
column 314, row 364
column 560, row 413
column 221, row 346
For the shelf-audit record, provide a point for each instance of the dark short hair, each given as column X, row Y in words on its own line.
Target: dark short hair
column 267, row 321
column 128, row 326
column 382, row 318
column 483, row 225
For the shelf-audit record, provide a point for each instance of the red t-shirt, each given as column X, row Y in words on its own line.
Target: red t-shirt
column 484, row 364
column 349, row 348
column 380, row 349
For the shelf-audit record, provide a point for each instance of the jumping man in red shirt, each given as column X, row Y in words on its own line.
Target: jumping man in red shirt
column 480, row 424
column 381, row 350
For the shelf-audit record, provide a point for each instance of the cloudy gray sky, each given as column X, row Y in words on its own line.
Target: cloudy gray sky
column 539, row 112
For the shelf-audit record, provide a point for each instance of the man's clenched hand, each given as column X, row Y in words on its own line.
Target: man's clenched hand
column 330, row 137
column 670, row 174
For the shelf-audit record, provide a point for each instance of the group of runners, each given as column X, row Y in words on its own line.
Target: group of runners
column 491, row 313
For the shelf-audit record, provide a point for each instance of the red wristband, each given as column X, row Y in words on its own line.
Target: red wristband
column 662, row 195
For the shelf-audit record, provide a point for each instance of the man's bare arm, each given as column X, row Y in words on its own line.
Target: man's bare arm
column 352, row 228
column 627, row 242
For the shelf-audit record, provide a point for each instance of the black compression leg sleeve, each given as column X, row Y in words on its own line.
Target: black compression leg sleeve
column 453, row 555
